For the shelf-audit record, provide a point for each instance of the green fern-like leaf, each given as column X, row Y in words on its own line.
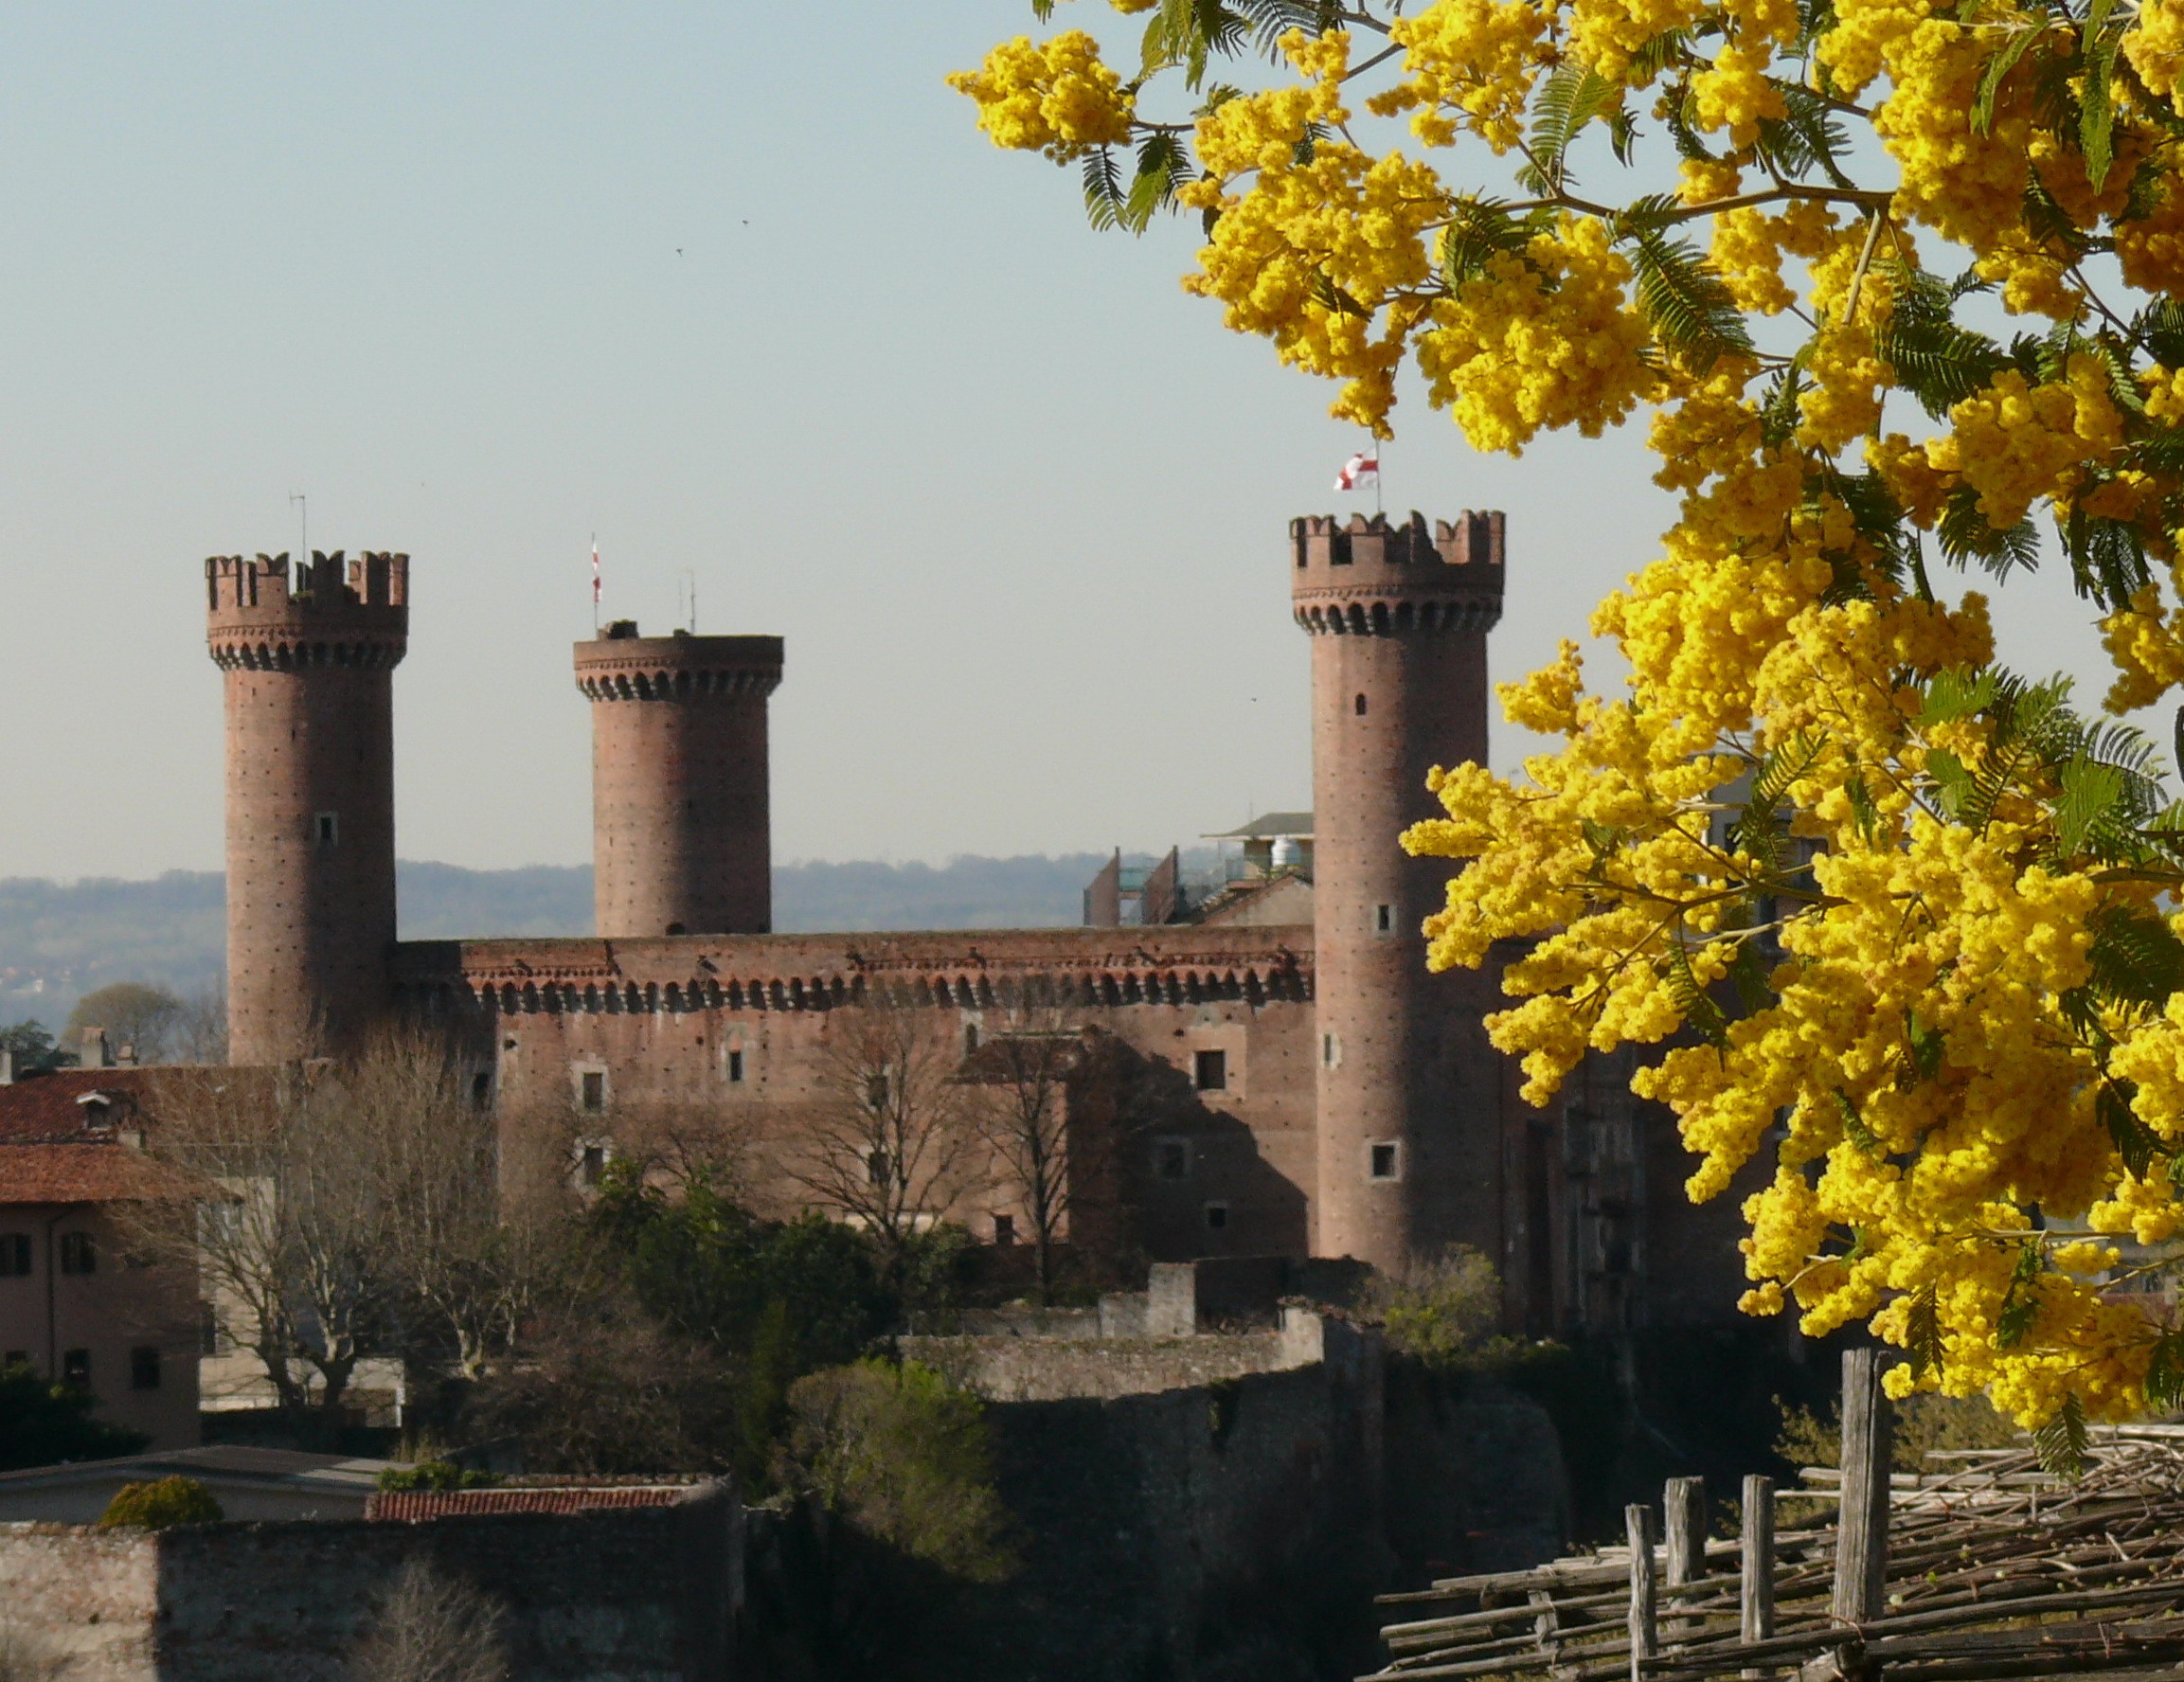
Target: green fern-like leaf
column 1967, row 537
column 1924, row 1332
column 1956, row 694
column 2021, row 1299
column 1103, row 198
column 1855, row 1128
column 2005, row 59
column 1691, row 312
column 2137, row 960
column 1478, row 230
column 2165, row 1372
column 1570, row 97
column 2136, row 1143
column 1697, row 1006
column 2061, row 1441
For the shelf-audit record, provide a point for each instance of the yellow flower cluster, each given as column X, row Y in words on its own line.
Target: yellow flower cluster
column 1918, row 914
column 1058, row 98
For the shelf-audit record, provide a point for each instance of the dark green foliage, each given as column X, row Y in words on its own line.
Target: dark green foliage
column 2165, row 1372
column 776, row 1300
column 30, row 1045
column 43, row 1425
column 1690, row 309
column 1924, row 1332
column 2021, row 1301
column 2061, row 1441
column 156, row 1506
column 437, row 1474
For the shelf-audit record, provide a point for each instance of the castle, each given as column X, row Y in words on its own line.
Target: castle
column 1307, row 1088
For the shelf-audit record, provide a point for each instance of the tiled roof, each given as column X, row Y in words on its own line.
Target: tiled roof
column 99, row 1171
column 52, row 1105
column 411, row 1505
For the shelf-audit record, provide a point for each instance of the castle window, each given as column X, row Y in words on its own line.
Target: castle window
column 1216, row 1217
column 77, row 1253
column 592, row 1165
column 970, row 1038
column 144, row 1368
column 876, row 1165
column 1212, row 1071
column 14, row 1255
column 327, row 826
column 481, row 1091
column 735, row 1066
column 1171, row 1159
column 75, row 1368
column 1361, row 706
column 1004, row 1229
column 1383, row 919
column 595, row 1089
column 1385, row 1162
column 1331, row 1051
column 876, row 1095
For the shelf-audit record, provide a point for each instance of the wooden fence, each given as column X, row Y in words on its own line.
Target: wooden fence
column 1979, row 1567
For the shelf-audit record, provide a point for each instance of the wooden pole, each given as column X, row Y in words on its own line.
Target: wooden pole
column 1684, row 1506
column 1638, row 1526
column 1862, row 1521
column 1756, row 1601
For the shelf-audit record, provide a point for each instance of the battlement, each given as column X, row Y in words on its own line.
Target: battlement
column 1374, row 578
column 1474, row 538
column 265, row 587
column 262, row 615
column 619, row 665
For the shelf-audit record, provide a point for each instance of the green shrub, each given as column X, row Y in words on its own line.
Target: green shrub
column 435, row 1475
column 154, row 1506
column 43, row 1423
column 1926, row 1422
column 1443, row 1310
column 904, row 1458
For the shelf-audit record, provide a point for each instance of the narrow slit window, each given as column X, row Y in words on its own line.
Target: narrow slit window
column 592, row 1166
column 1361, row 709
column 1384, row 919
column 327, row 826
column 735, row 1067
column 1216, row 1217
column 1004, row 1229
column 14, row 1255
column 595, row 1089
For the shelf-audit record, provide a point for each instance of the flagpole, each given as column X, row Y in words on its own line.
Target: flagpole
column 595, row 584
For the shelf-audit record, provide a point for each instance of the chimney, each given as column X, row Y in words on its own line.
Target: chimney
column 126, row 1057
column 96, row 1053
column 6, row 1066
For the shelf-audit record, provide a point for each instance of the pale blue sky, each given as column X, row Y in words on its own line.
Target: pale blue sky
column 741, row 291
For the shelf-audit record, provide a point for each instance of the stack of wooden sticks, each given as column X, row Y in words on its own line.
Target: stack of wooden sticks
column 1982, row 1565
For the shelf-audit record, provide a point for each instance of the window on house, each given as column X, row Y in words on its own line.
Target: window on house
column 1212, row 1072
column 75, row 1368
column 1386, row 1162
column 592, row 1165
column 1383, row 919
column 876, row 1091
column 970, row 1038
column 144, row 1368
column 735, row 1066
column 212, row 1336
column 1171, row 1159
column 595, row 1089
column 1216, row 1217
column 14, row 1255
column 1361, row 706
column 481, row 1091
column 328, row 827
column 14, row 1358
column 78, row 1253
column 1004, row 1229
column 876, row 1166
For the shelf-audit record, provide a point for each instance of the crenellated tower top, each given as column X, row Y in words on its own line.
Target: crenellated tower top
column 330, row 611
column 1371, row 578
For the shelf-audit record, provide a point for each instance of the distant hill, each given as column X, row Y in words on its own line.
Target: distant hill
column 58, row 943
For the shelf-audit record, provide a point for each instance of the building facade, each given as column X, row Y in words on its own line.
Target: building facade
column 1272, row 1072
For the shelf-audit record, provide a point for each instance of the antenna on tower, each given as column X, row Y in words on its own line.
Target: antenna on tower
column 302, row 527
column 691, row 573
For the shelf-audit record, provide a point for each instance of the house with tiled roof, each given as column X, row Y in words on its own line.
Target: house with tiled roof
column 74, row 1304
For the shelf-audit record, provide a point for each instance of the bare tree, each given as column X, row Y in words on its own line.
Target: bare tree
column 1019, row 1080
column 888, row 1143
column 364, row 1214
column 198, row 1032
column 431, row 1628
column 291, row 1256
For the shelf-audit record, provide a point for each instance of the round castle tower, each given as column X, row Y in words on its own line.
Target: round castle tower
column 309, row 662
column 681, row 837
column 1409, row 1137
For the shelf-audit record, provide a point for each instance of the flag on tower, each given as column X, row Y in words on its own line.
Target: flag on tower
column 1361, row 469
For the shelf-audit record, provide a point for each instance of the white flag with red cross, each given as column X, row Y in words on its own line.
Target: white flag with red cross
column 1360, row 470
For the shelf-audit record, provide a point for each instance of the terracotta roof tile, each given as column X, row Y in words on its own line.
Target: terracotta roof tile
column 89, row 1172
column 412, row 1506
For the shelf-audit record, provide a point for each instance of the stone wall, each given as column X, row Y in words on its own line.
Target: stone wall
column 640, row 1595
